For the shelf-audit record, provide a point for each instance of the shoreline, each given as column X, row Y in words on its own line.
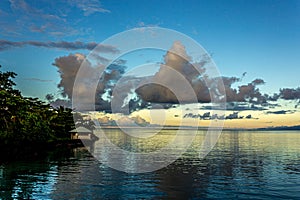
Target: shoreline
column 33, row 150
column 288, row 128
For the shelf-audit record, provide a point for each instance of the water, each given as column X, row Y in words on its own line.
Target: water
column 256, row 165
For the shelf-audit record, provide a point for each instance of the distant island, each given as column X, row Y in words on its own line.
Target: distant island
column 168, row 127
column 282, row 128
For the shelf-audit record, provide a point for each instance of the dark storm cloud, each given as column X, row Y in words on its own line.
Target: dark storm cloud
column 5, row 44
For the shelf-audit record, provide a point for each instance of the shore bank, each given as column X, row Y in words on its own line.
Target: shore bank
column 26, row 150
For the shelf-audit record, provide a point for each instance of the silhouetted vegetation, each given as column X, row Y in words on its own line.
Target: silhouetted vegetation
column 26, row 120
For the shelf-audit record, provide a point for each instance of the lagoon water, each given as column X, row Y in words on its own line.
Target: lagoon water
column 243, row 164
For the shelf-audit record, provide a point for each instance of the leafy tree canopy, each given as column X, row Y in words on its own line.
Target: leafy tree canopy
column 24, row 119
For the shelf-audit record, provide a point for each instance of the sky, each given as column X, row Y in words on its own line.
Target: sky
column 39, row 38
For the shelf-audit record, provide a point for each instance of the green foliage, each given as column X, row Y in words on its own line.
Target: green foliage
column 81, row 121
column 29, row 119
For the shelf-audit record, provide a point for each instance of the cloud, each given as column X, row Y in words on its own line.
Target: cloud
column 126, row 98
column 208, row 116
column 258, row 81
column 248, row 116
column 176, row 72
column 188, row 81
column 38, row 29
column 132, row 121
column 290, row 93
column 22, row 6
column 176, row 61
column 37, row 79
column 28, row 17
column 245, row 93
column 61, row 102
column 281, row 112
column 122, row 100
column 54, row 18
column 68, row 67
column 238, row 106
column 88, row 6
column 123, row 121
column 234, row 115
column 106, row 121
column 286, row 94
column 100, row 59
column 5, row 44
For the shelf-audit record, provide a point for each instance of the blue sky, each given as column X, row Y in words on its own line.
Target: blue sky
column 257, row 37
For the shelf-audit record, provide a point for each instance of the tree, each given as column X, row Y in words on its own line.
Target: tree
column 24, row 119
column 82, row 121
